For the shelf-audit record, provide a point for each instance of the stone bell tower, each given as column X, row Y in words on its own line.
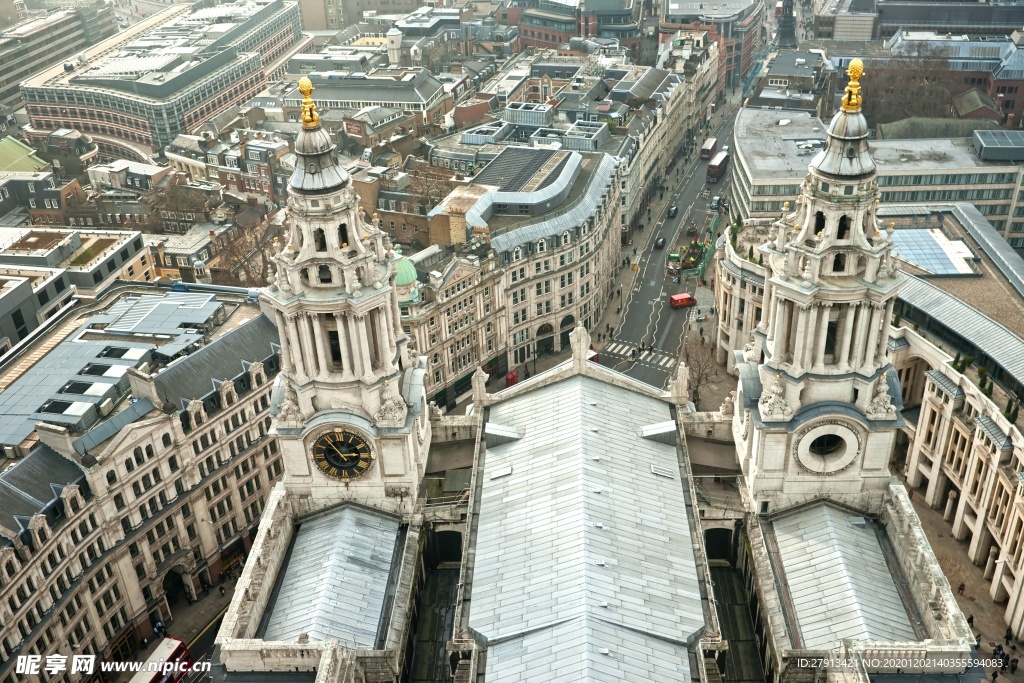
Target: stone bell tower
column 826, row 417
column 349, row 406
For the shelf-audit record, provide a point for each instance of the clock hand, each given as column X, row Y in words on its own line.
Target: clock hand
column 343, row 456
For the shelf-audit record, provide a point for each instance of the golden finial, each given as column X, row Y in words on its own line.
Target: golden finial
column 852, row 98
column 310, row 119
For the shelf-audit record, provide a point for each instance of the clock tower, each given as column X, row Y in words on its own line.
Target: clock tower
column 349, row 407
column 826, row 417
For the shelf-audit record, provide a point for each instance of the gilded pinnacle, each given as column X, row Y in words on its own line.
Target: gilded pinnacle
column 310, row 119
column 852, row 99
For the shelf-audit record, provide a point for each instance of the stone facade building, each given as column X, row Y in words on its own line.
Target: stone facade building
column 127, row 491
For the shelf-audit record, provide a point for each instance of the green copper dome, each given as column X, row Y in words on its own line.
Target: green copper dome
column 405, row 272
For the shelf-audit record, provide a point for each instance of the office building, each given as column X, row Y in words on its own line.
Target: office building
column 110, row 469
column 134, row 93
column 772, row 149
column 33, row 44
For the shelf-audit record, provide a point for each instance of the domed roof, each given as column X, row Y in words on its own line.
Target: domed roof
column 847, row 154
column 405, row 271
column 316, row 171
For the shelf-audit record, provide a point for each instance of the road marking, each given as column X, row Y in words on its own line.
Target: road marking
column 207, row 628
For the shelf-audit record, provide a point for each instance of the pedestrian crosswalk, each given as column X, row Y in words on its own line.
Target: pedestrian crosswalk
column 654, row 358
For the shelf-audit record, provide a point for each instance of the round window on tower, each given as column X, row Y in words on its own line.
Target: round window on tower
column 827, row 448
column 827, row 444
column 850, row 152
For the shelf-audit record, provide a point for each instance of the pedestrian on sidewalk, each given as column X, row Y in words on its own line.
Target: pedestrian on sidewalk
column 1013, row 665
column 970, row 620
column 222, row 590
column 960, row 588
column 1009, row 635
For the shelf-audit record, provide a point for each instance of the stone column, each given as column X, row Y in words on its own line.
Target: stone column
column 990, row 564
column 950, row 507
column 295, row 344
column 323, row 353
column 352, row 335
column 287, row 366
column 387, row 338
column 859, row 335
column 845, row 337
column 800, row 343
column 363, row 342
column 883, row 343
column 308, row 343
column 768, row 305
column 873, row 330
column 396, row 312
column 819, row 348
column 780, row 329
column 346, row 348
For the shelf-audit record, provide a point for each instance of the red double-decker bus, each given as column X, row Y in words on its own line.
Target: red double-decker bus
column 718, row 166
column 169, row 663
column 778, row 8
column 708, row 150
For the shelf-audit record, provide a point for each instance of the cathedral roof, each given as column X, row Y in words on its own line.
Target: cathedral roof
column 846, row 154
column 316, row 170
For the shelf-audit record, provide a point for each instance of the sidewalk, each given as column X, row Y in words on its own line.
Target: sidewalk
column 952, row 557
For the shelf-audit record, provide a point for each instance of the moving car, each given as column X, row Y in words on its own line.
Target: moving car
column 715, row 203
column 659, row 243
column 682, row 300
column 672, row 211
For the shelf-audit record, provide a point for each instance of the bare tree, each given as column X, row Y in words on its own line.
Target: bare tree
column 699, row 356
column 915, row 82
column 173, row 204
column 243, row 255
column 429, row 187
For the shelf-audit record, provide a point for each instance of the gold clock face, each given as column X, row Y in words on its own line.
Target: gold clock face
column 342, row 454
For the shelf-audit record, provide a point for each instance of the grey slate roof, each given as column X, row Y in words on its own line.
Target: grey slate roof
column 945, row 383
column 559, row 220
column 222, row 359
column 581, row 547
column 992, row 430
column 1001, row 345
column 838, row 579
column 32, row 483
column 336, row 579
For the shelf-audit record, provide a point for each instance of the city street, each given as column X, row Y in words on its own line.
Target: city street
column 647, row 316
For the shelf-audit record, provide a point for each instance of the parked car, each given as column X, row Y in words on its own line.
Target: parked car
column 716, row 202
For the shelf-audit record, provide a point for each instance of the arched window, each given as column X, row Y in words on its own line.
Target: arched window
column 320, row 239
column 819, row 222
column 324, row 274
column 843, row 233
column 139, row 457
column 542, row 245
column 111, row 476
column 839, row 263
column 149, row 452
column 167, row 440
column 304, row 275
column 129, row 465
column 343, row 234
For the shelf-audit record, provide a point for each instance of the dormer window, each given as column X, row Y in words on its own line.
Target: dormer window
column 565, row 238
column 541, row 246
column 517, row 253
